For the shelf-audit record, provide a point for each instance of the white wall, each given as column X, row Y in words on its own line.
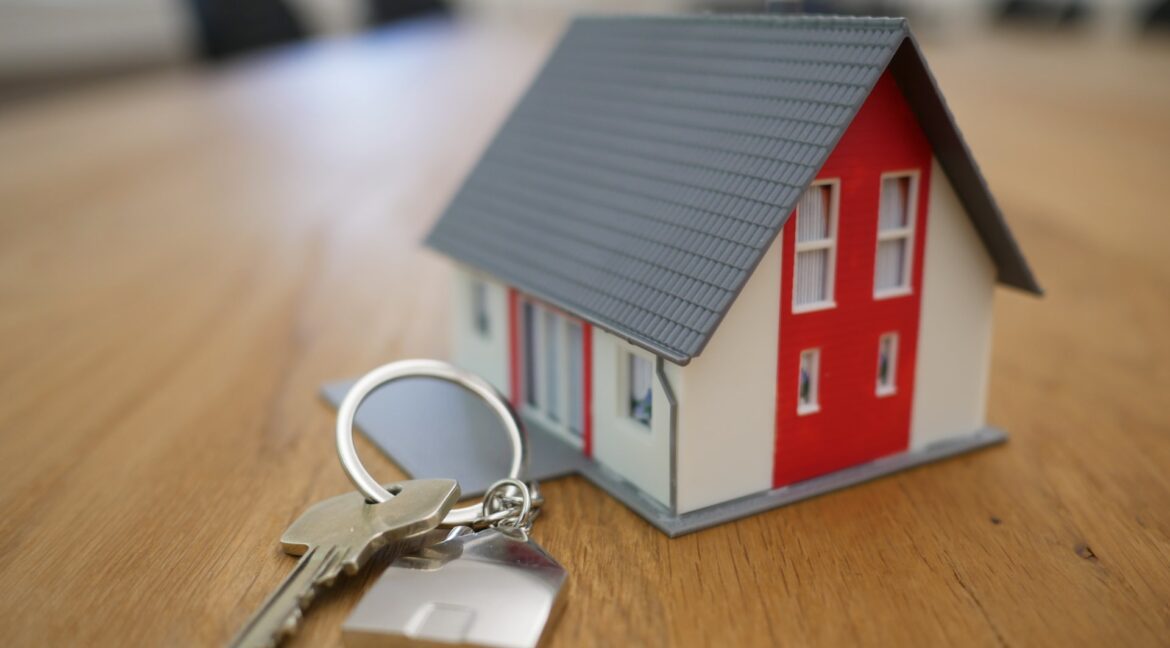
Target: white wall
column 471, row 350
column 638, row 454
column 727, row 398
column 954, row 339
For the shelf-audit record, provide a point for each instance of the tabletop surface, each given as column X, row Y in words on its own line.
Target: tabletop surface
column 185, row 257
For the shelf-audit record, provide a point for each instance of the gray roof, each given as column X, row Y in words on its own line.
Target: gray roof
column 652, row 162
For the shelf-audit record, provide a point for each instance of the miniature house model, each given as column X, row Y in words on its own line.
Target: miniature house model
column 722, row 257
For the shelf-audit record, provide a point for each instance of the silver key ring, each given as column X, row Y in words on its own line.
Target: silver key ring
column 367, row 485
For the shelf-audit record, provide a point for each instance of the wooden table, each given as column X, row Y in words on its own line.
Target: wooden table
column 184, row 258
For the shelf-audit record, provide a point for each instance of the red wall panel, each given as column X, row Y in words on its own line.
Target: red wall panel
column 854, row 424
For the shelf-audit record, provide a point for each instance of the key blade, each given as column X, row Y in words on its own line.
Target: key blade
column 418, row 507
column 281, row 612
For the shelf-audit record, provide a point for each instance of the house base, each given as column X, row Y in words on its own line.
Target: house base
column 433, row 429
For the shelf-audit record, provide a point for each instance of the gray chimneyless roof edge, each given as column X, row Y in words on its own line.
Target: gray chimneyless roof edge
column 602, row 196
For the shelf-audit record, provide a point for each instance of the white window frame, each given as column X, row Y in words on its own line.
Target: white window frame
column 814, row 404
column 559, row 420
column 625, row 361
column 829, row 243
column 480, row 309
column 530, row 345
column 575, row 431
column 552, row 401
column 891, row 385
column 906, row 232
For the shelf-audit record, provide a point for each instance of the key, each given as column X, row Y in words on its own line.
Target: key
column 340, row 534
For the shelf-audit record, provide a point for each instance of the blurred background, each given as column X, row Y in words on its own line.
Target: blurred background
column 48, row 45
column 208, row 208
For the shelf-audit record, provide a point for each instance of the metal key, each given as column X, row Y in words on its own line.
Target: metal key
column 341, row 533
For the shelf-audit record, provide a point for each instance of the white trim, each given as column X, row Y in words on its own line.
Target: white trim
column 529, row 380
column 906, row 233
column 891, row 386
column 566, row 391
column 893, row 292
column 480, row 311
column 552, row 365
column 624, row 364
column 814, row 404
column 829, row 244
column 812, row 308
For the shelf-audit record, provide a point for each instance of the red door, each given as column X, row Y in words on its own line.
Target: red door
column 848, row 401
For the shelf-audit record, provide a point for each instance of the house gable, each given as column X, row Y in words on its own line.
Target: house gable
column 909, row 68
column 652, row 162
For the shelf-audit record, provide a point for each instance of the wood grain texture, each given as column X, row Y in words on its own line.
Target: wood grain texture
column 184, row 258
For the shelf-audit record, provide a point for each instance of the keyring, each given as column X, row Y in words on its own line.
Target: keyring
column 367, row 485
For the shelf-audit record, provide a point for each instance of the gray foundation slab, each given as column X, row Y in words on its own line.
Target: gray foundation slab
column 701, row 519
column 435, row 429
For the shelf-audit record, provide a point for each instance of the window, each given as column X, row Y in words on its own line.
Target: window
column 479, row 307
column 639, row 381
column 807, row 382
column 895, row 235
column 815, row 248
column 576, row 379
column 553, row 363
column 887, row 366
column 528, row 316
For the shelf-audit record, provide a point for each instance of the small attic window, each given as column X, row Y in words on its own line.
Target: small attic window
column 895, row 250
column 816, row 246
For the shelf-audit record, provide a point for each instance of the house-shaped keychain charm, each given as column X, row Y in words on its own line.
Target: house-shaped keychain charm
column 492, row 588
column 724, row 263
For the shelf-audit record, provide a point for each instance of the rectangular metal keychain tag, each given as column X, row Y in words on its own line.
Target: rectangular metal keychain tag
column 494, row 587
